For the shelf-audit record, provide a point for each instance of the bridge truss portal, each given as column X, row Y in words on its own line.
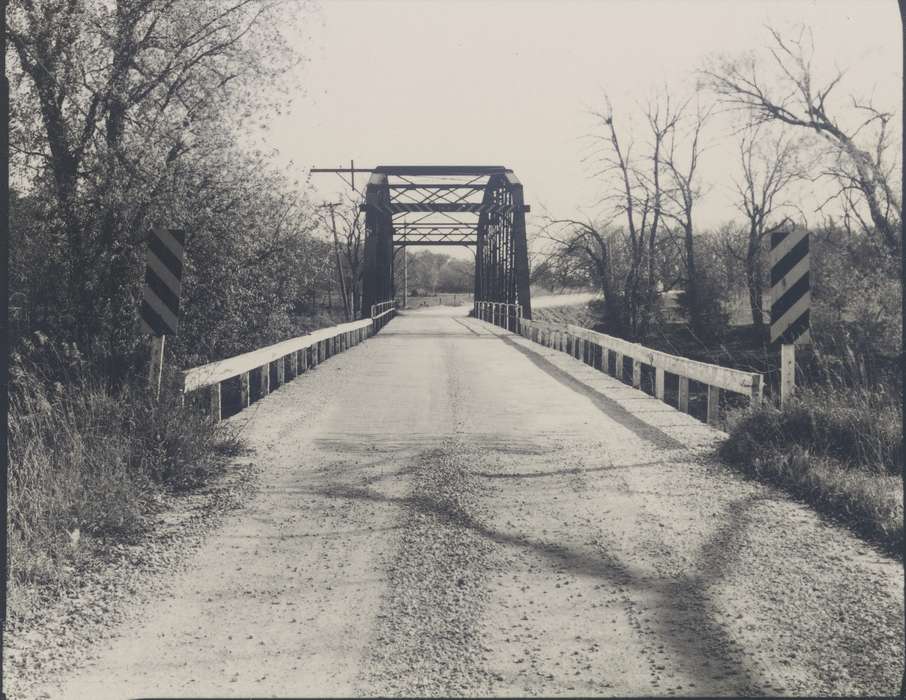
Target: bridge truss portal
column 480, row 207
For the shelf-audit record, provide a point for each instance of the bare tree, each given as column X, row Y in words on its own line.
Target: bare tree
column 682, row 195
column 769, row 165
column 590, row 251
column 352, row 251
column 636, row 196
column 862, row 166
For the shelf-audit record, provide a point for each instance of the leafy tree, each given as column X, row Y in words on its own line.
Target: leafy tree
column 124, row 90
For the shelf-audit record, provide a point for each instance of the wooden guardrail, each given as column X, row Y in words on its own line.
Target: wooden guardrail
column 500, row 314
column 285, row 360
column 289, row 358
column 581, row 342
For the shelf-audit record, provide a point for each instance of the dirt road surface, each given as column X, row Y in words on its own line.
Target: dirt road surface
column 448, row 509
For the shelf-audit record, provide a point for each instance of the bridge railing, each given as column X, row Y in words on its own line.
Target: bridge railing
column 262, row 371
column 597, row 349
column 382, row 313
column 506, row 316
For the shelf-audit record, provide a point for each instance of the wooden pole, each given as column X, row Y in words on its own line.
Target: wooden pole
column 156, row 367
column 787, row 373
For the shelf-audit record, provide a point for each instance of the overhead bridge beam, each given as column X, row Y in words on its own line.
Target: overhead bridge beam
column 403, row 243
column 445, row 207
column 441, row 170
column 436, row 186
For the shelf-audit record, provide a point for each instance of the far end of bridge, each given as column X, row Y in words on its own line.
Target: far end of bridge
column 477, row 206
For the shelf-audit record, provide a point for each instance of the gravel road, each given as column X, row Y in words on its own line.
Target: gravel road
column 448, row 509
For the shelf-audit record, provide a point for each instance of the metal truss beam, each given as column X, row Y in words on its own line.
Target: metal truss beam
column 406, row 213
column 440, row 170
column 429, row 243
column 437, row 186
column 442, row 207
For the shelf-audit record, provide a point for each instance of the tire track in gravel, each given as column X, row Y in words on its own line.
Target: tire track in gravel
column 428, row 639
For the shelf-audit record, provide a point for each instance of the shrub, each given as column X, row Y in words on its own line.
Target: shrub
column 839, row 451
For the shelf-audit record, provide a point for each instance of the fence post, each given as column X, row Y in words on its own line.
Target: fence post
column 293, row 365
column 636, row 373
column 618, row 365
column 659, row 383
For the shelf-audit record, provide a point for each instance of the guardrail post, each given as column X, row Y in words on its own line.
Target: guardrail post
column 281, row 372
column 683, row 401
column 659, row 383
column 713, row 404
column 265, row 371
column 293, row 365
column 636, row 373
column 245, row 390
column 215, row 402
column 618, row 366
column 757, row 390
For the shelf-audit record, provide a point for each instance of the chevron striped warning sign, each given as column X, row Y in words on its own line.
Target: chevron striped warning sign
column 163, row 279
column 791, row 296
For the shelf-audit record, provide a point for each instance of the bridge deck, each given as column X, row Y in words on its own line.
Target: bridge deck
column 451, row 509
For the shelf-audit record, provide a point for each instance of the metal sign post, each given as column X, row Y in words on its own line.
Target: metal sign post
column 791, row 301
column 156, row 366
column 160, row 298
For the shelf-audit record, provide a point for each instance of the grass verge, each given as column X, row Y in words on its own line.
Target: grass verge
column 838, row 451
column 86, row 461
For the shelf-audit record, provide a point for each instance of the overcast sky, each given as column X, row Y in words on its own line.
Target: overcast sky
column 513, row 82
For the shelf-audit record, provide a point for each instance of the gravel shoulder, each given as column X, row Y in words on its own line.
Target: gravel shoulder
column 451, row 510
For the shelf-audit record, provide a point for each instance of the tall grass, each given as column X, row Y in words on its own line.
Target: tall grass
column 85, row 457
column 839, row 450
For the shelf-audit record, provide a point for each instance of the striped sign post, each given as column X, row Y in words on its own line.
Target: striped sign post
column 791, row 301
column 160, row 298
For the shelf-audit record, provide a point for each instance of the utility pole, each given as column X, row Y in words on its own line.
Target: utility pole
column 4, row 362
column 336, row 250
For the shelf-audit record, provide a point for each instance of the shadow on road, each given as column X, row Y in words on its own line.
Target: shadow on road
column 684, row 597
column 605, row 404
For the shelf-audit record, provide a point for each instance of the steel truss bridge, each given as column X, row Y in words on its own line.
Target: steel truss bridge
column 481, row 207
